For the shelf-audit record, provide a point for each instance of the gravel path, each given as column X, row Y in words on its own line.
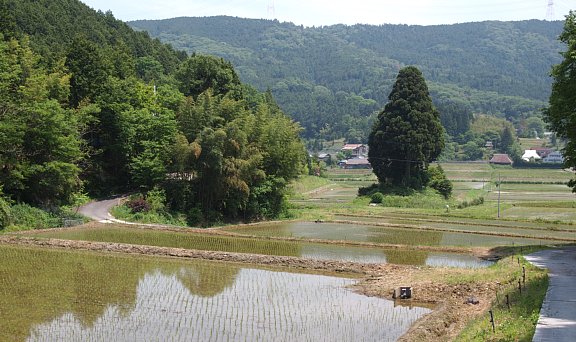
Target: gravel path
column 557, row 320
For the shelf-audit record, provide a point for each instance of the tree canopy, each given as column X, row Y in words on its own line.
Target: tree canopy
column 561, row 112
column 408, row 134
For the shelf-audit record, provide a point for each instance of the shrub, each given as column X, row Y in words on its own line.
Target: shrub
column 368, row 190
column 439, row 182
column 138, row 205
column 24, row 216
column 4, row 213
column 377, row 197
column 466, row 204
column 157, row 199
column 194, row 216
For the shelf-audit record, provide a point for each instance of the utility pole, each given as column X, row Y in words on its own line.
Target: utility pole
column 498, row 185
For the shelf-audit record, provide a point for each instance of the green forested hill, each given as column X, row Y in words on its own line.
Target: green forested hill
column 334, row 77
column 90, row 106
column 53, row 25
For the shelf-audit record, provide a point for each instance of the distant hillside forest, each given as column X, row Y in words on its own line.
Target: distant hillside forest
column 333, row 78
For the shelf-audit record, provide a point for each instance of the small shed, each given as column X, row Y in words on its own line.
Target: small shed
column 501, row 159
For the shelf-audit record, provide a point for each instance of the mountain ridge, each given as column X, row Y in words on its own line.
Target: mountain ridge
column 322, row 74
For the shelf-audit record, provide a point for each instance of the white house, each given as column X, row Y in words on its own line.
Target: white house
column 531, row 155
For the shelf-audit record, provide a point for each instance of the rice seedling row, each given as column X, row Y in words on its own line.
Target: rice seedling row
column 264, row 246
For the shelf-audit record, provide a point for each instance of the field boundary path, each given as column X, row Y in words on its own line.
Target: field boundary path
column 557, row 320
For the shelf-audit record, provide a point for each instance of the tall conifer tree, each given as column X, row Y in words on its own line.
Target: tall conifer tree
column 408, row 134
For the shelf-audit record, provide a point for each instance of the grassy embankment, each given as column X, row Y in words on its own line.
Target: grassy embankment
column 515, row 311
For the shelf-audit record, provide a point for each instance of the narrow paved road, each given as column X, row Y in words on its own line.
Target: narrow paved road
column 558, row 314
column 100, row 210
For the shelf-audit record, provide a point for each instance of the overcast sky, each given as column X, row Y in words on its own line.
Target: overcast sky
column 329, row 12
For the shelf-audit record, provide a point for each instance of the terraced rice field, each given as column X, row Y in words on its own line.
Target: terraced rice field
column 508, row 228
column 187, row 240
column 384, row 235
column 59, row 295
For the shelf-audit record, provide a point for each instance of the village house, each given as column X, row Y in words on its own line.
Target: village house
column 501, row 159
column 355, row 163
column 542, row 151
column 356, row 150
column 531, row 156
column 553, row 157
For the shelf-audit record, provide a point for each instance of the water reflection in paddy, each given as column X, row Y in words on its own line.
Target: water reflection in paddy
column 55, row 295
column 266, row 247
column 386, row 235
column 393, row 256
column 259, row 306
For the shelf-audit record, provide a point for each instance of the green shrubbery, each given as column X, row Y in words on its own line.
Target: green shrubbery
column 24, row 216
column 400, row 197
column 406, row 197
column 148, row 208
column 377, row 197
column 475, row 201
column 439, row 182
column 4, row 213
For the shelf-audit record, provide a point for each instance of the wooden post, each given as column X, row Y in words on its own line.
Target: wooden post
column 508, row 301
column 519, row 286
column 524, row 275
column 492, row 321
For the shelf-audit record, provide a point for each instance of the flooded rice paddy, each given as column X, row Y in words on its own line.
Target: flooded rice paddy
column 266, row 247
column 384, row 235
column 60, row 295
column 526, row 229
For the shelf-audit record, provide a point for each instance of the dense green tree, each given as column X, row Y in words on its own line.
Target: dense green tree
column 408, row 134
column 535, row 127
column 200, row 73
column 39, row 140
column 472, row 151
column 54, row 25
column 506, row 139
column 455, row 118
column 89, row 69
column 561, row 113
